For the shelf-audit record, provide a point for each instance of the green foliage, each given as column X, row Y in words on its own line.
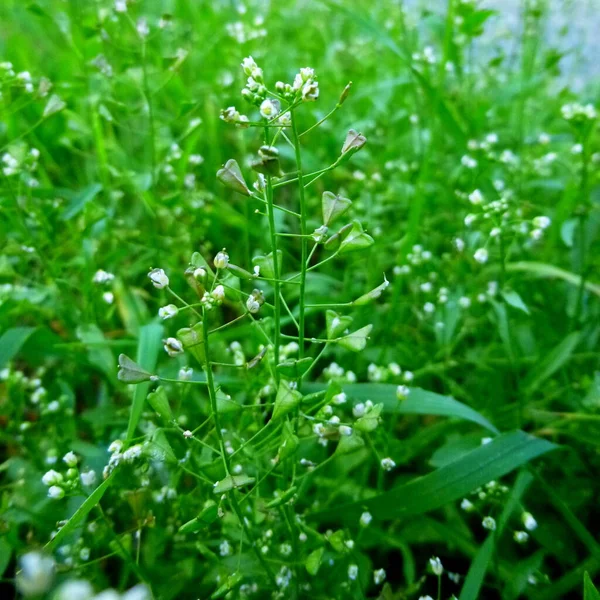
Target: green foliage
column 298, row 341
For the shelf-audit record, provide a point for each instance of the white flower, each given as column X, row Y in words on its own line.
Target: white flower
column 221, row 259
column 365, row 519
column 468, row 161
column 491, row 138
column 436, row 566
column 528, row 521
column 172, row 346
column 185, row 373
column 476, row 197
column 132, row 453
column 339, row 398
column 168, row 311
column 187, row 434
column 467, row 505
column 115, row 446
column 35, row 575
column 352, row 572
column 345, row 430
column 387, row 464
column 520, row 537
column 379, row 576
column 88, row 478
column 70, row 459
column 252, row 305
column 469, row 220
column 544, row 138
column 55, row 492
column 542, row 222
column 486, row 440
column 75, row 589
column 52, row 477
column 402, row 391
column 425, row 598
column 108, row 297
column 120, row 6
column 268, row 109
column 489, row 523
column 577, row 149
column 481, row 255
column 464, row 302
column 224, row 548
column 429, row 307
column 219, row 293
column 101, row 276
column 158, row 278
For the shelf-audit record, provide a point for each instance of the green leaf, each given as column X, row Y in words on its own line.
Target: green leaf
column 11, row 342
column 286, row 400
column 313, row 561
column 349, row 443
column 545, row 271
column 149, row 345
column 370, row 420
column 450, row 483
column 265, row 263
column 130, row 371
column 79, row 200
column 5, row 555
column 99, row 354
column 336, row 324
column 356, row 239
column 419, row 402
column 232, row 482
column 294, row 368
column 160, row 403
column 513, row 299
column 231, row 177
column 333, row 206
column 558, row 357
column 204, row 519
column 357, row 340
column 590, row 591
column 55, row 104
column 192, row 339
column 79, row 515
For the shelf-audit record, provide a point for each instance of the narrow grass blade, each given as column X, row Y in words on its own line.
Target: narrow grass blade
column 147, row 354
column 12, row 341
column 502, row 455
column 419, row 402
column 79, row 515
column 590, row 591
column 552, row 363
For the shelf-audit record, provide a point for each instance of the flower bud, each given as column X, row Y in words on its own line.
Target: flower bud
column 172, row 346
column 344, row 94
column 221, row 260
column 219, row 293
column 168, row 311
column 158, row 278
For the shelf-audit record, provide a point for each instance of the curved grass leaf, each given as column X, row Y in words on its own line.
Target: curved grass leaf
column 419, row 402
column 79, row 515
column 589, row 589
column 502, row 455
column 545, row 271
column 558, row 356
column 12, row 341
column 147, row 354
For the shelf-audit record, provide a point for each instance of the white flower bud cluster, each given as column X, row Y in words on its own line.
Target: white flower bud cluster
column 59, row 484
column 578, row 112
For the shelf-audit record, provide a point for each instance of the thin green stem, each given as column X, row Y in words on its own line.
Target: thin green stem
column 303, row 241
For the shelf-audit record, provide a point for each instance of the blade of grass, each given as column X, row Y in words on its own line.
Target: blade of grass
column 147, row 354
column 502, row 455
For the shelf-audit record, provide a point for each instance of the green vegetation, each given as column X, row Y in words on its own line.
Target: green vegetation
column 317, row 339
